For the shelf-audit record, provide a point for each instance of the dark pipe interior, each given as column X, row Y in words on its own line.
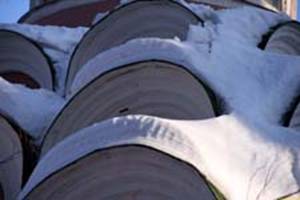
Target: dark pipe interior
column 20, row 78
column 1, row 193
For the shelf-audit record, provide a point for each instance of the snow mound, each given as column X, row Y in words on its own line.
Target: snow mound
column 237, row 156
column 32, row 109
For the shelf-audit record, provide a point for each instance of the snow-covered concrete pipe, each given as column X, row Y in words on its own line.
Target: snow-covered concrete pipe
column 138, row 19
column 156, row 88
column 146, row 161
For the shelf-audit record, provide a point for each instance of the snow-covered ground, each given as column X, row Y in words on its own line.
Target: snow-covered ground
column 246, row 153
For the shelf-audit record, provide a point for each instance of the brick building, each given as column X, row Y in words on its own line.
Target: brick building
column 288, row 6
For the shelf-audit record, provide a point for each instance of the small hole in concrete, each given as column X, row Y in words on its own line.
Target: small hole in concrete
column 124, row 110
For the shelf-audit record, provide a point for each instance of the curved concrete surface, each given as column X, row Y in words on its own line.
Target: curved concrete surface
column 139, row 19
column 11, row 161
column 285, row 39
column 22, row 61
column 124, row 172
column 150, row 87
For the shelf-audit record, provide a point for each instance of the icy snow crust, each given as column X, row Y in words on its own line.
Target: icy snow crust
column 246, row 154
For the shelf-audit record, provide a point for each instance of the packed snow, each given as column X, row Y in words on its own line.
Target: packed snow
column 32, row 109
column 247, row 154
column 243, row 159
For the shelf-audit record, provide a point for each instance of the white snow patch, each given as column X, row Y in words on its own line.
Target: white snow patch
column 244, row 160
column 33, row 110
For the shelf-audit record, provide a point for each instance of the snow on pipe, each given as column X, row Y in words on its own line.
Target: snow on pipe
column 285, row 39
column 135, row 169
column 68, row 13
column 138, row 19
column 11, row 160
column 22, row 61
column 155, row 88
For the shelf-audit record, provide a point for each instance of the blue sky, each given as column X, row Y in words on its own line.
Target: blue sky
column 298, row 10
column 12, row 10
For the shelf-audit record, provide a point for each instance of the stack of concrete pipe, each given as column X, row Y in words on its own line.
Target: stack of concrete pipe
column 22, row 61
column 17, row 158
column 130, row 88
column 127, row 162
column 11, row 161
column 78, row 159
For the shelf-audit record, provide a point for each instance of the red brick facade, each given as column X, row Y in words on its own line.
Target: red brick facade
column 85, row 12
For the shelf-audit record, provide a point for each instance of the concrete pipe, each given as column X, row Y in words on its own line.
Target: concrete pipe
column 285, row 39
column 131, row 172
column 155, row 88
column 23, row 62
column 139, row 19
column 68, row 13
column 295, row 120
column 11, row 161
column 292, row 116
column 18, row 157
column 87, row 164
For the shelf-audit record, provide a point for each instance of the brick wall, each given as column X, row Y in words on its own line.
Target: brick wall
column 288, row 6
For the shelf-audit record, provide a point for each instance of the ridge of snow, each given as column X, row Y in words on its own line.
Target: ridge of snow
column 252, row 168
